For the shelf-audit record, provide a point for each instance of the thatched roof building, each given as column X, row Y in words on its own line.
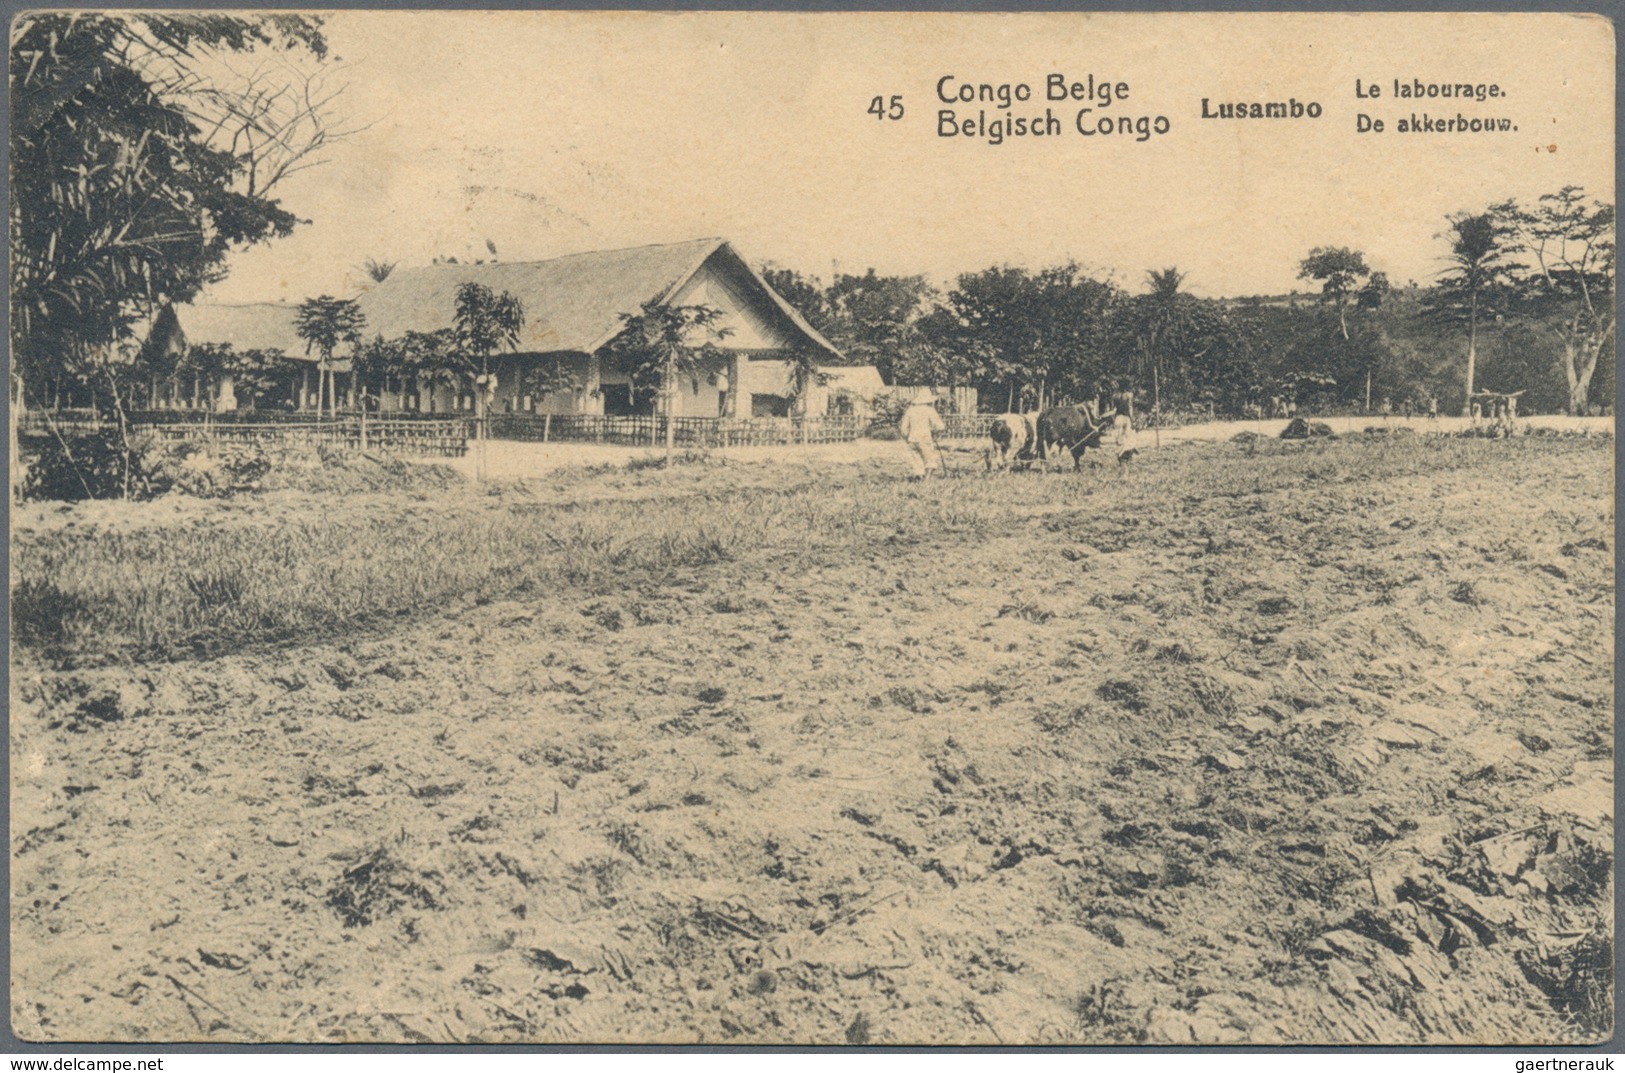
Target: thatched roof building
column 573, row 307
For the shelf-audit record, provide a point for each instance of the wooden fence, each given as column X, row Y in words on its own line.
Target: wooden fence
column 649, row 431
column 444, row 435
column 442, row 439
column 58, row 422
column 967, row 426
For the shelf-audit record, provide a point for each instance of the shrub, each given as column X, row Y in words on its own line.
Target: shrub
column 99, row 466
column 91, row 466
column 888, row 412
column 206, row 469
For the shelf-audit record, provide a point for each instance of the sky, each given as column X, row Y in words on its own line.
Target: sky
column 547, row 133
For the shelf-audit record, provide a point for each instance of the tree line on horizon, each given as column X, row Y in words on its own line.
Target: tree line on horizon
column 1523, row 303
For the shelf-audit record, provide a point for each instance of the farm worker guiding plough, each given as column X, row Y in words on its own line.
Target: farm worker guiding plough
column 919, row 425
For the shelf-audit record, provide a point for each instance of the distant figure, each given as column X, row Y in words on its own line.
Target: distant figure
column 1433, row 408
column 1409, row 406
column 1123, row 403
column 1387, row 407
column 919, row 426
column 1477, row 413
column 1277, row 407
column 1292, row 408
column 1122, row 437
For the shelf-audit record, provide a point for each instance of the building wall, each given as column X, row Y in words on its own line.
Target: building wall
column 517, row 380
column 707, row 392
column 752, row 326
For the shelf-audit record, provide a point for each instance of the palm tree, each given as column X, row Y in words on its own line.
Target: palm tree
column 377, row 270
column 323, row 323
column 1163, row 302
column 1476, row 270
column 486, row 322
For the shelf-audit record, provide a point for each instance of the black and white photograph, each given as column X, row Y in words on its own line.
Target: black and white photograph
column 849, row 530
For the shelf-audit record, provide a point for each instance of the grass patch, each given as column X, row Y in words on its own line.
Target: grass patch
column 313, row 563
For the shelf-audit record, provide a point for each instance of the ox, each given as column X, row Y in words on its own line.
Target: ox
column 1072, row 429
column 1015, row 439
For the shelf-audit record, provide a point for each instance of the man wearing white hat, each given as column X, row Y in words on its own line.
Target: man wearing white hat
column 919, row 427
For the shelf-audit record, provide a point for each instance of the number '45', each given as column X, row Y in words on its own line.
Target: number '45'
column 881, row 110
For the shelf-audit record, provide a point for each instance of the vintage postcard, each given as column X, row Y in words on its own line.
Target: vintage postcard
column 789, row 528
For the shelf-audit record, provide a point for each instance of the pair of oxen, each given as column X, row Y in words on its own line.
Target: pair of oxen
column 1022, row 439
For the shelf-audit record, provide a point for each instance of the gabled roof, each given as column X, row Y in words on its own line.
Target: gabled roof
column 571, row 303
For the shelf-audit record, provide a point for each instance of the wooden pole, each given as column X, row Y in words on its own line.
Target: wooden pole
column 1156, row 399
column 671, row 404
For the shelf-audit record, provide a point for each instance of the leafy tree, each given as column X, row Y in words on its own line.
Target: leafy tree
column 1185, row 351
column 430, row 359
column 1162, row 316
column 1033, row 335
column 1477, row 278
column 1569, row 288
column 663, row 342
column 869, row 315
column 1341, row 273
column 486, row 322
column 1346, row 280
column 929, row 352
column 376, row 362
column 805, row 294
column 139, row 160
column 324, row 323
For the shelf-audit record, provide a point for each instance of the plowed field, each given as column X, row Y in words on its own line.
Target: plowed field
column 1244, row 743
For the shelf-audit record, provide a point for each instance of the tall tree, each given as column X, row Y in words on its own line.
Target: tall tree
column 431, row 359
column 1474, row 283
column 1347, row 281
column 1341, row 272
column 805, row 294
column 1031, row 335
column 140, row 159
column 486, row 322
column 1569, row 287
column 869, row 315
column 662, row 342
column 930, row 352
column 324, row 324
column 1164, row 319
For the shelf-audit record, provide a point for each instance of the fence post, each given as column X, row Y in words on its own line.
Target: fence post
column 547, row 424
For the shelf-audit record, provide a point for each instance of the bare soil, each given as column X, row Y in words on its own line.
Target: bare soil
column 1325, row 758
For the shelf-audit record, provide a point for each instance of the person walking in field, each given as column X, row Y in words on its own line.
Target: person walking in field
column 919, row 427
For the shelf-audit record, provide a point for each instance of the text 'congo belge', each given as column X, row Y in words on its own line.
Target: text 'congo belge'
column 997, row 119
